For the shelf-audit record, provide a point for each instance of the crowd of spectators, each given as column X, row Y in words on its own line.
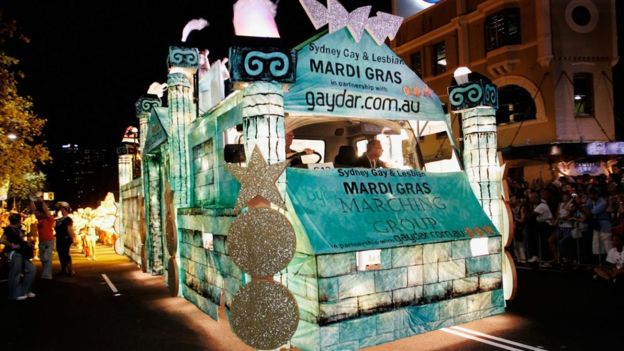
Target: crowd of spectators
column 569, row 222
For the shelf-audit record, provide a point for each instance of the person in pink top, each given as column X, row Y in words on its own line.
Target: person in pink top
column 45, row 230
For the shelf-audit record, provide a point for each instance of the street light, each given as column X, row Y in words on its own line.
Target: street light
column 12, row 136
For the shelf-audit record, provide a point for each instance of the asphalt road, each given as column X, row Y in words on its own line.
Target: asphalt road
column 554, row 311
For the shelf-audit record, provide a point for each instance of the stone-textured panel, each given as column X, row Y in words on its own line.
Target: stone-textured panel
column 453, row 307
column 328, row 289
column 460, row 249
column 438, row 291
column 335, row 311
column 415, row 275
column 407, row 256
column 490, row 281
column 430, row 273
column 362, row 283
column 390, row 279
column 359, row 328
column 465, row 286
column 451, row 270
column 334, row 265
column 374, row 302
column 436, row 252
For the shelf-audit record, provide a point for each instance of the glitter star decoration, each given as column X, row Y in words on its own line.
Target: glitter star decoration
column 380, row 27
column 257, row 179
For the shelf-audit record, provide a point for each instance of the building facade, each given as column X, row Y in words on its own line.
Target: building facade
column 80, row 174
column 552, row 62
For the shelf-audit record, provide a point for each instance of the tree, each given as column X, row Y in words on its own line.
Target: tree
column 21, row 149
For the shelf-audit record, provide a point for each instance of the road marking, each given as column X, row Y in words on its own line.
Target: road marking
column 110, row 284
column 474, row 332
column 485, row 341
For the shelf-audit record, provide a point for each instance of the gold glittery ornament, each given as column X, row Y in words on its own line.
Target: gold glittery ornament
column 264, row 314
column 261, row 242
column 258, row 178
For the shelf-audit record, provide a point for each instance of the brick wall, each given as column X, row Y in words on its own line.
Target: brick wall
column 418, row 289
column 130, row 195
column 208, row 275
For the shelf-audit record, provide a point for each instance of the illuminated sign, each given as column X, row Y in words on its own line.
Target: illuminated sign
column 605, row 148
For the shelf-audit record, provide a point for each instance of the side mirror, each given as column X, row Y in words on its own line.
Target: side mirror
column 234, row 153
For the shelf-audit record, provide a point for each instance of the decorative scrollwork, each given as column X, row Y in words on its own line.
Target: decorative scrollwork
column 183, row 57
column 473, row 94
column 269, row 64
column 491, row 95
column 146, row 104
column 277, row 61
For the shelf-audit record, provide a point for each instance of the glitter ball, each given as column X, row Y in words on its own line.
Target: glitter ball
column 264, row 315
column 261, row 241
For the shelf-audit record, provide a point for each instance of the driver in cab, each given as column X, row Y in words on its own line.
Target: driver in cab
column 295, row 156
column 370, row 159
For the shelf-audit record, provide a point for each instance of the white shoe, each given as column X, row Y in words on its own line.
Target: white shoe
column 20, row 298
column 31, row 295
column 533, row 259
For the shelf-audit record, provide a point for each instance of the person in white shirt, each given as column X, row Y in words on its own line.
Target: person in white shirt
column 540, row 220
column 614, row 267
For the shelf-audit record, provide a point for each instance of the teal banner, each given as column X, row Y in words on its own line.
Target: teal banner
column 156, row 132
column 354, row 209
column 338, row 77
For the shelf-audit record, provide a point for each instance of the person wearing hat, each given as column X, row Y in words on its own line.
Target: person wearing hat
column 65, row 235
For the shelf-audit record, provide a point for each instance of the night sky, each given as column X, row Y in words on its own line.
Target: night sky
column 89, row 61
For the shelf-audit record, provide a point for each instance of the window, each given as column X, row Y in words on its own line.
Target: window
column 581, row 15
column 368, row 260
column 515, row 105
column 417, row 63
column 502, row 28
column 392, row 146
column 583, row 94
column 316, row 145
column 208, row 241
column 203, row 172
column 439, row 58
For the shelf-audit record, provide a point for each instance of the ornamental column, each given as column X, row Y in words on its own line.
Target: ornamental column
column 183, row 63
column 477, row 101
column 124, row 166
column 261, row 69
column 145, row 106
column 476, row 98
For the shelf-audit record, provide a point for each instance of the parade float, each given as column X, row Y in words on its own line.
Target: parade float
column 328, row 256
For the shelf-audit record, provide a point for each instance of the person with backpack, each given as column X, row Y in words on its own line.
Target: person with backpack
column 19, row 252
